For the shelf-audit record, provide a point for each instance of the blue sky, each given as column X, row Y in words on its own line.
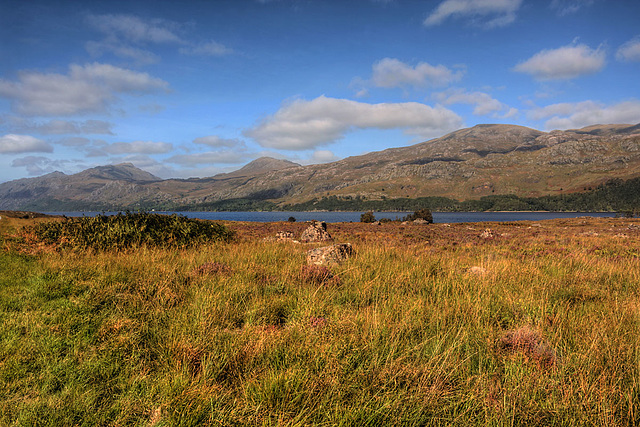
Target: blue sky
column 194, row 88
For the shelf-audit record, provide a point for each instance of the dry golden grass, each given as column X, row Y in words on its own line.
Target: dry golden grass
column 406, row 332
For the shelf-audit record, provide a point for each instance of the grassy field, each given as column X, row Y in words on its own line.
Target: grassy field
column 463, row 324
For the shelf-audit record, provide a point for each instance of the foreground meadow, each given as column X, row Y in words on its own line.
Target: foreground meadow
column 464, row 324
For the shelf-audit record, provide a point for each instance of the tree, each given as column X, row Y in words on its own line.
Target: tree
column 424, row 214
column 367, row 217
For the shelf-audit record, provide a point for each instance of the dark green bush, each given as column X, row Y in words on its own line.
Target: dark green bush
column 105, row 232
column 367, row 217
column 424, row 214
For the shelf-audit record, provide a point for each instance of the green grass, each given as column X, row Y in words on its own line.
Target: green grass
column 402, row 336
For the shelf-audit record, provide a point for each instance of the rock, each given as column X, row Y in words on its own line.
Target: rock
column 282, row 236
column 327, row 255
column 420, row 221
column 316, row 232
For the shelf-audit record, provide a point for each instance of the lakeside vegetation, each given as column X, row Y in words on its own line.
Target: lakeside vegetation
column 465, row 324
column 613, row 196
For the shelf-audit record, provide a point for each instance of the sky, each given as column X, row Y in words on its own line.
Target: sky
column 196, row 88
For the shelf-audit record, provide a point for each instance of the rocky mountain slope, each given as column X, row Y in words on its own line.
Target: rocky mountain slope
column 466, row 164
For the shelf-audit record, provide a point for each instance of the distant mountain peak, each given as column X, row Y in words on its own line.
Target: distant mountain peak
column 120, row 172
column 265, row 164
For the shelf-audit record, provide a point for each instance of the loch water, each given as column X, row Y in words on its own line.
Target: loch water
column 438, row 217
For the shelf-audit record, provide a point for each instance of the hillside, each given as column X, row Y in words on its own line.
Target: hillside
column 466, row 164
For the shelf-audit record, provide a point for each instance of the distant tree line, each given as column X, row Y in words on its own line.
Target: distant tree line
column 615, row 195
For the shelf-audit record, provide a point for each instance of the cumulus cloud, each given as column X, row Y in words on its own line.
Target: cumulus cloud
column 564, row 63
column 483, row 103
column 302, row 124
column 485, row 13
column 390, row 73
column 61, row 127
column 630, row 51
column 216, row 141
column 12, row 144
column 143, row 147
column 88, row 88
column 587, row 113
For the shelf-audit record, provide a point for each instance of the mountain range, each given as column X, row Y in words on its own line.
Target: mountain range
column 466, row 164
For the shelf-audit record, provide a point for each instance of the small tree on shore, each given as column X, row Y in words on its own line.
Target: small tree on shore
column 367, row 217
column 424, row 214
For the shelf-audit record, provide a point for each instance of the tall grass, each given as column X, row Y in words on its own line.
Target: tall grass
column 546, row 335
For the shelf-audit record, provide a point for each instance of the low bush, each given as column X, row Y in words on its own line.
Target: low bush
column 424, row 214
column 367, row 217
column 124, row 230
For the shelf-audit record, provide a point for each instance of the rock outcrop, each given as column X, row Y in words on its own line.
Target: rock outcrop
column 330, row 255
column 316, row 232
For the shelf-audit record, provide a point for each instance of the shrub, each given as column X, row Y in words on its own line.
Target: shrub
column 291, row 219
column 424, row 214
column 367, row 217
column 104, row 232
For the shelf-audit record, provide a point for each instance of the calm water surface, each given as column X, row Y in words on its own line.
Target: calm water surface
column 439, row 217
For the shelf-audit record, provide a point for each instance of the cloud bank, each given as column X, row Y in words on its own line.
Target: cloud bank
column 85, row 89
column 13, row 144
column 580, row 114
column 302, row 124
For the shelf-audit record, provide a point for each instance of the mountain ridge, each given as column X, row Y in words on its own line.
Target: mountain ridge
column 487, row 159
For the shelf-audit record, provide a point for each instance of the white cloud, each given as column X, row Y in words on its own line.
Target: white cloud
column 139, row 56
column 216, row 141
column 485, row 13
column 144, row 147
column 61, row 127
column 135, row 29
column 127, row 36
column 88, row 88
column 38, row 165
column 11, row 144
column 390, row 73
column 587, row 113
column 483, row 103
column 566, row 62
column 630, row 51
column 211, row 48
column 567, row 7
column 323, row 156
column 301, row 124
